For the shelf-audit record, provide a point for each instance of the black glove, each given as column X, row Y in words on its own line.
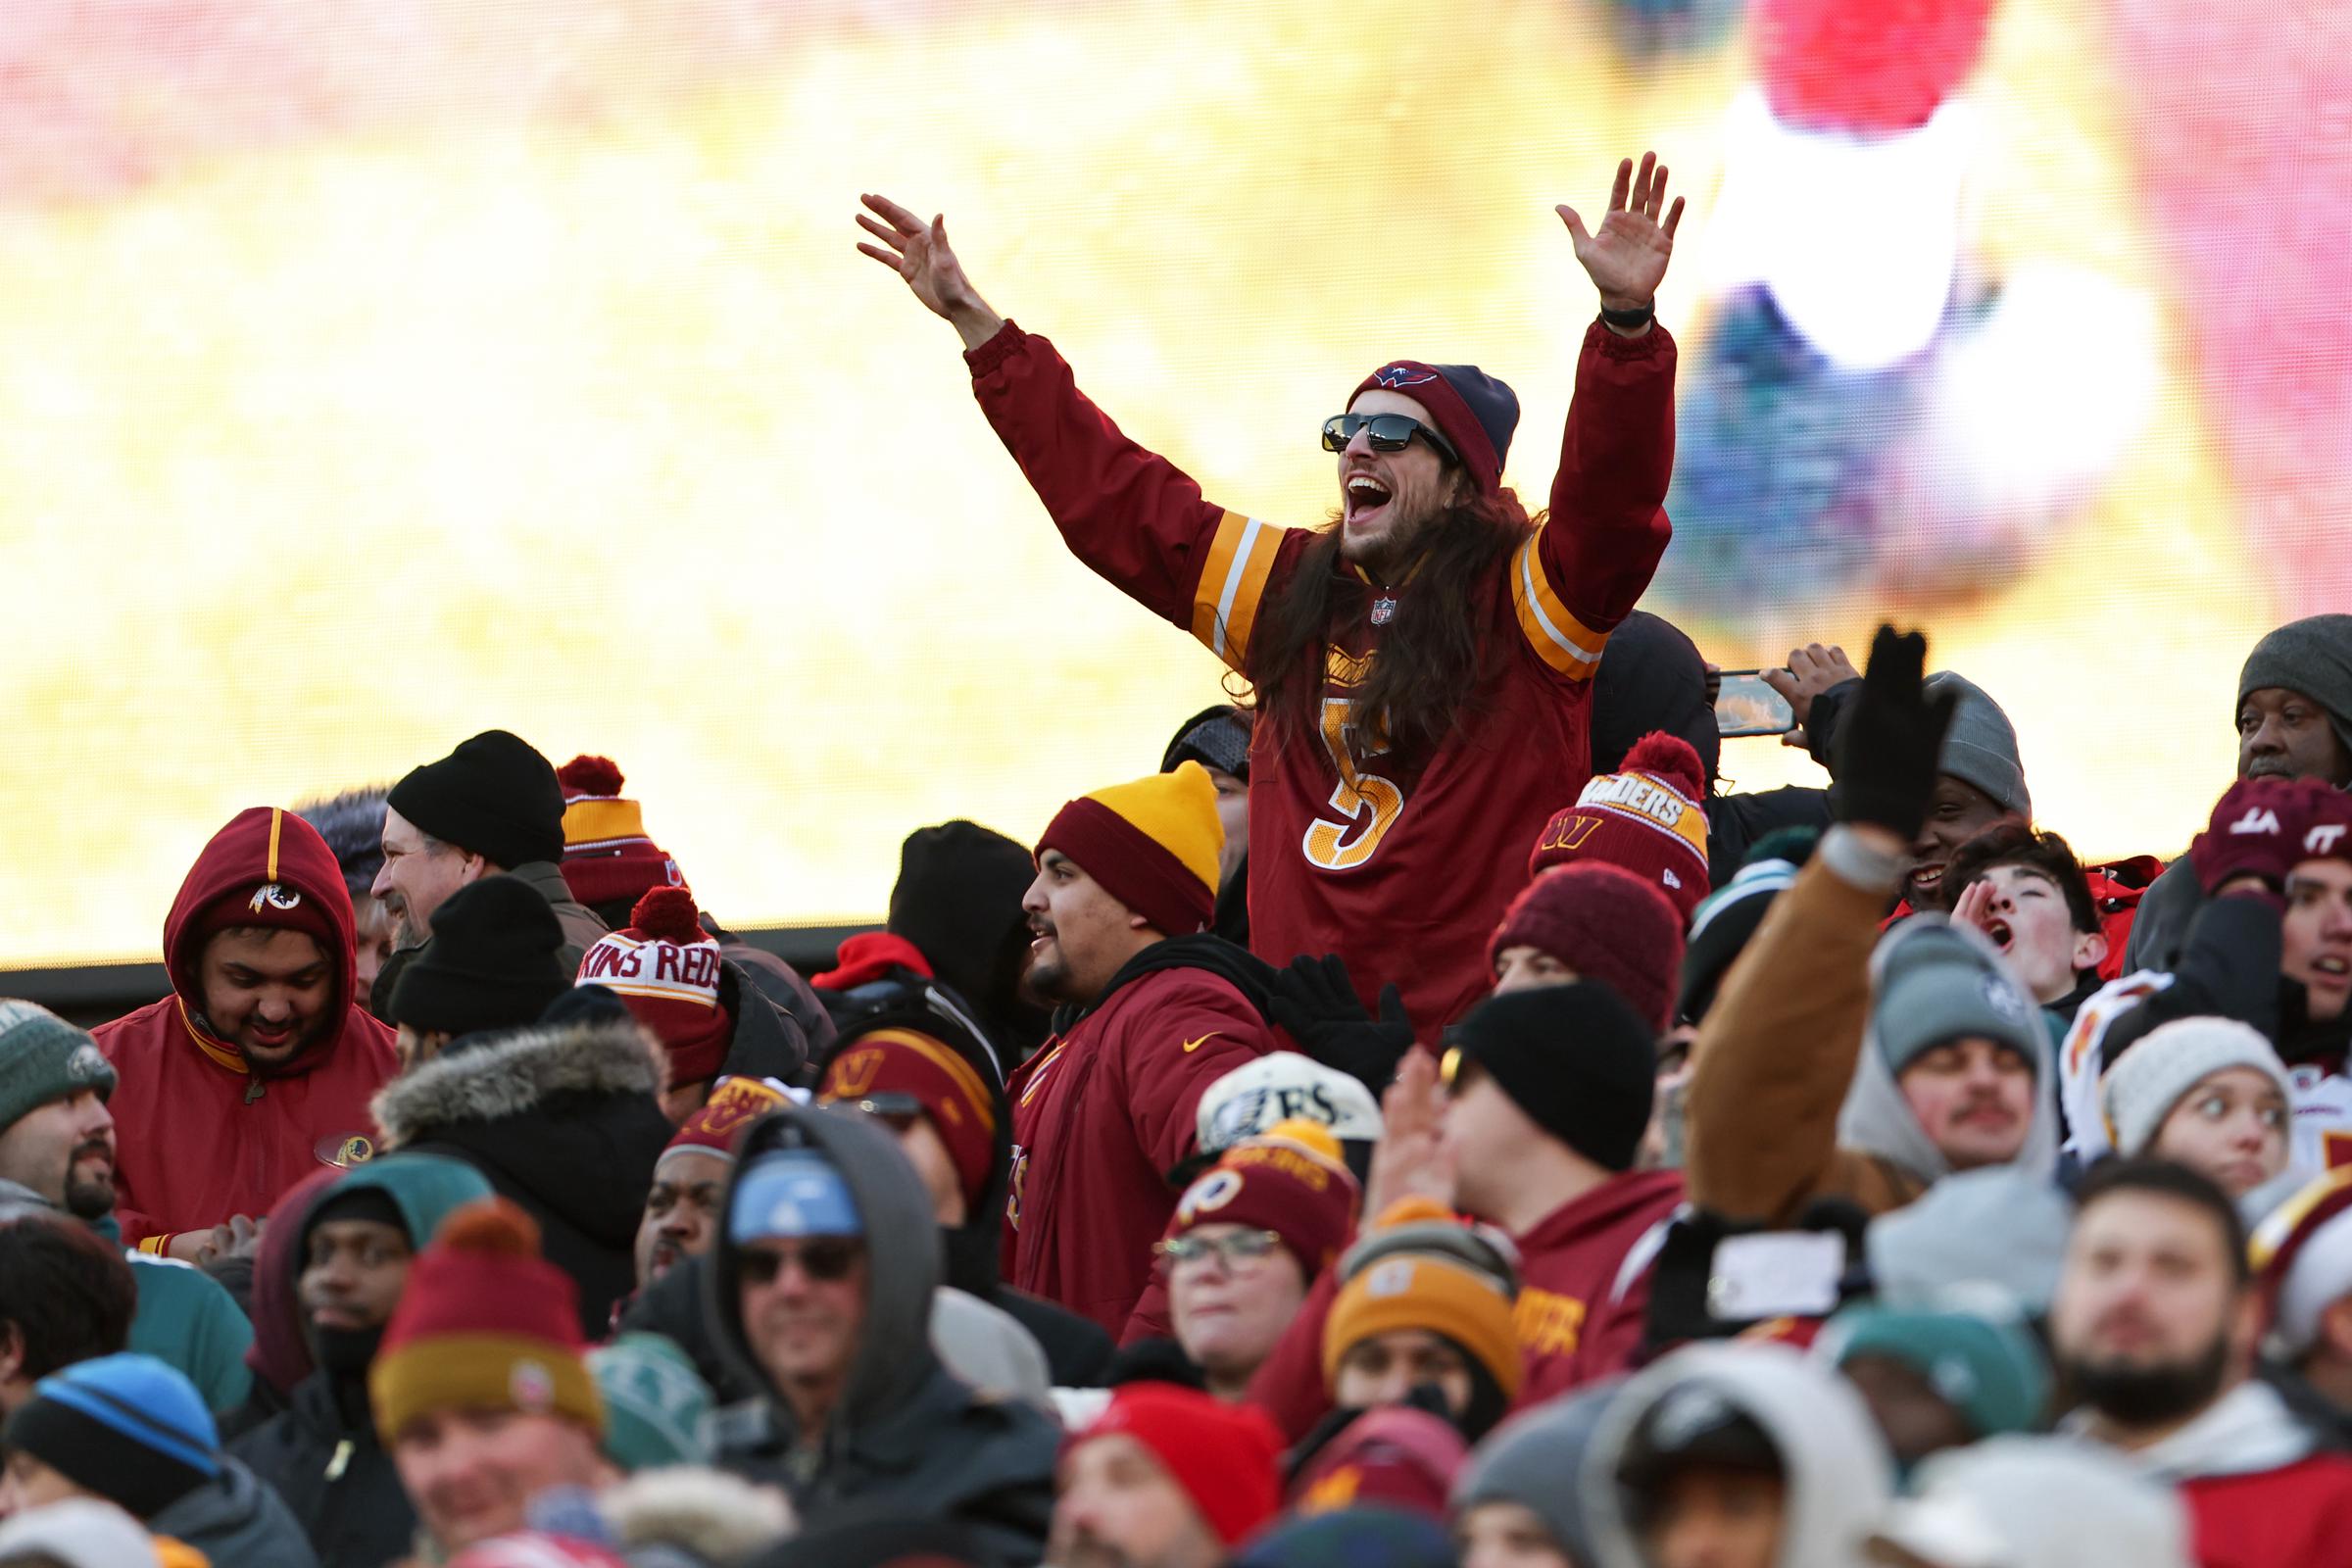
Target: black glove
column 1314, row 1001
column 1891, row 737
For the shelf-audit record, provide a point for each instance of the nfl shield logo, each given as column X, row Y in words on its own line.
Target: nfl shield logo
column 1383, row 611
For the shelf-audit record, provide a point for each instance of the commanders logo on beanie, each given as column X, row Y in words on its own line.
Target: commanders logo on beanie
column 1474, row 411
column 1648, row 816
column 1152, row 845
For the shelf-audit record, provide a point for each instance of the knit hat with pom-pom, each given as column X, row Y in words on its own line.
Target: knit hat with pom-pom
column 666, row 969
column 608, row 857
column 1649, row 817
column 485, row 1323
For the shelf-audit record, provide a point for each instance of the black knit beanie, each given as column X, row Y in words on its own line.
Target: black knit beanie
column 958, row 900
column 494, row 797
column 492, row 963
column 1215, row 737
column 1577, row 1059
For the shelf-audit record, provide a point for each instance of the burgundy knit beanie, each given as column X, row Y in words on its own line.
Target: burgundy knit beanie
column 1605, row 924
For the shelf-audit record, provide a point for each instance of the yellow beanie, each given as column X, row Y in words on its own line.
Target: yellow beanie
column 1153, row 844
column 1433, row 1291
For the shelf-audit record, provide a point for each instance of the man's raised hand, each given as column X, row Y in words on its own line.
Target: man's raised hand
column 1627, row 254
column 919, row 253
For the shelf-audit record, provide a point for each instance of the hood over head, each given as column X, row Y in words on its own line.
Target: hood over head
column 1838, row 1473
column 894, row 1358
column 2038, row 1502
column 277, row 868
column 1532, row 1460
column 1651, row 676
column 1876, row 1119
column 423, row 1188
column 280, row 1355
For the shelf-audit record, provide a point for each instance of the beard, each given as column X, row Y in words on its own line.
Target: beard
column 2149, row 1395
column 89, row 1197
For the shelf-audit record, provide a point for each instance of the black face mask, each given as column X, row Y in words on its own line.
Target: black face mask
column 2149, row 1395
column 345, row 1353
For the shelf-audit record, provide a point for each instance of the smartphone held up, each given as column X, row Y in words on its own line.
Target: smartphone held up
column 1745, row 706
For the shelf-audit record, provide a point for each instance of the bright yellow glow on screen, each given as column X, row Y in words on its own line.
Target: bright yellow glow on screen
column 323, row 451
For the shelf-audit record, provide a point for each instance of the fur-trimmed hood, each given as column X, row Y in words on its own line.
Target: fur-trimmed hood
column 514, row 1071
column 564, row 1120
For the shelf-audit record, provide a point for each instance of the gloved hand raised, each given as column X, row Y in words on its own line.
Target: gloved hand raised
column 1314, row 1001
column 1890, row 738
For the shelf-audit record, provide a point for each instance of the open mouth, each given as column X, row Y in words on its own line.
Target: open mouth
column 1927, row 878
column 2334, row 967
column 1366, row 496
column 2001, row 933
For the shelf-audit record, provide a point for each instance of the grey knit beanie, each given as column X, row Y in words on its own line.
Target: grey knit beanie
column 2152, row 1077
column 1981, row 746
column 1938, row 982
column 2311, row 656
column 1535, row 1461
column 43, row 1057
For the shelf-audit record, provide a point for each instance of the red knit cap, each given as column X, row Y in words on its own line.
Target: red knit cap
column 1606, row 924
column 666, row 968
column 954, row 1098
column 485, row 1323
column 1289, row 1179
column 1225, row 1456
column 1648, row 816
column 607, row 856
column 717, row 1124
column 1393, row 1456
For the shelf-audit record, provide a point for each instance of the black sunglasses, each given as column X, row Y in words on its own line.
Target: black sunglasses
column 826, row 1259
column 1391, row 433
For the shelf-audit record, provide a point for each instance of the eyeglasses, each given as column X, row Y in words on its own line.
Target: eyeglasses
column 826, row 1259
column 898, row 1110
column 1232, row 1249
column 1390, row 432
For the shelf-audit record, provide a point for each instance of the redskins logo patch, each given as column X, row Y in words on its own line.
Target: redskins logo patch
column 274, row 896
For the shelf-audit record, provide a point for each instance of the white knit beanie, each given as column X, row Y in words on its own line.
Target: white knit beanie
column 2152, row 1077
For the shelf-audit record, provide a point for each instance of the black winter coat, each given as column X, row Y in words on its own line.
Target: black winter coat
column 562, row 1119
column 322, row 1457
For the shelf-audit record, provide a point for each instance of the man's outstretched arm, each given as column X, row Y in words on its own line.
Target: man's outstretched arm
column 1130, row 515
column 1590, row 561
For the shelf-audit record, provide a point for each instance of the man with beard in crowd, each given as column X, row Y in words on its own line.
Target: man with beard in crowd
column 57, row 1158
column 2154, row 1328
column 260, row 1064
column 1423, row 662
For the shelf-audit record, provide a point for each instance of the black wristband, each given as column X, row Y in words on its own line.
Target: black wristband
column 1628, row 319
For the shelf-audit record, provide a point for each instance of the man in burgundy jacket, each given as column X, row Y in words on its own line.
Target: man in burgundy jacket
column 257, row 1070
column 1153, row 1014
column 1423, row 663
column 1547, row 1095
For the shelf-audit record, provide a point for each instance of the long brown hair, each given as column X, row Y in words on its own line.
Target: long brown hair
column 1434, row 657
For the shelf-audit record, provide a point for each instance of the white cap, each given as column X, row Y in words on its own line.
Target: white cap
column 1278, row 1087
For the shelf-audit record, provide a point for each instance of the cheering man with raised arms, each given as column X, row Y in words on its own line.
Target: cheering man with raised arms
column 1423, row 662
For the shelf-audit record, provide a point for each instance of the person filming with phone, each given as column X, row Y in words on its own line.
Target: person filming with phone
column 1422, row 662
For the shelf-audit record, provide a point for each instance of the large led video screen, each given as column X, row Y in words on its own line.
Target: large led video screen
column 379, row 372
